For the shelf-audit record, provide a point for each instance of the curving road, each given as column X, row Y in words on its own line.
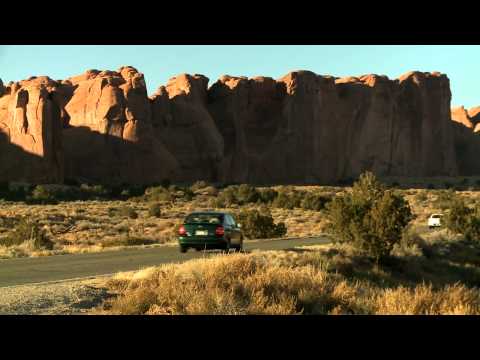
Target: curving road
column 63, row 267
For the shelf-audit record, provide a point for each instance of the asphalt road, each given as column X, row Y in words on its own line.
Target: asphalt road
column 62, row 267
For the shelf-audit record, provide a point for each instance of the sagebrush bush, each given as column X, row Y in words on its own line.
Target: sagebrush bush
column 463, row 220
column 288, row 199
column 421, row 197
column 127, row 240
column 123, row 211
column 312, row 201
column 267, row 196
column 159, row 194
column 28, row 232
column 155, row 210
column 444, row 199
column 370, row 217
column 42, row 195
column 237, row 195
column 199, row 185
column 260, row 225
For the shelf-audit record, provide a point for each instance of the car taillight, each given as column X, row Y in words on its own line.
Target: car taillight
column 219, row 231
column 181, row 230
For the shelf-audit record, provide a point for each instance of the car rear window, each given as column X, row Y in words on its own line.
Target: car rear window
column 204, row 219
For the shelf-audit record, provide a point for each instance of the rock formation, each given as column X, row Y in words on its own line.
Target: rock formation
column 182, row 122
column 467, row 139
column 310, row 128
column 108, row 130
column 101, row 126
column 31, row 141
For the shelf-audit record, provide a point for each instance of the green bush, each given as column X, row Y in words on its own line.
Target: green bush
column 28, row 231
column 288, row 199
column 188, row 194
column 444, row 199
column 227, row 197
column 199, row 185
column 256, row 225
column 463, row 220
column 155, row 210
column 267, row 196
column 313, row 201
column 158, row 193
column 421, row 197
column 94, row 191
column 246, row 194
column 370, row 217
column 42, row 195
column 123, row 211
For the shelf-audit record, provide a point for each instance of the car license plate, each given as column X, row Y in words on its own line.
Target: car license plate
column 201, row 232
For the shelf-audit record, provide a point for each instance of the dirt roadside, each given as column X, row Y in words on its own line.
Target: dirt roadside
column 77, row 297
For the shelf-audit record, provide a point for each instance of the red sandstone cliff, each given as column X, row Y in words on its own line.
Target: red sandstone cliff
column 301, row 128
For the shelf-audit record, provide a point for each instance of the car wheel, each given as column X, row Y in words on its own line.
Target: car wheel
column 227, row 246
column 240, row 246
column 183, row 249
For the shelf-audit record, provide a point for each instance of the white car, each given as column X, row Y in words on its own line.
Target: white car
column 435, row 220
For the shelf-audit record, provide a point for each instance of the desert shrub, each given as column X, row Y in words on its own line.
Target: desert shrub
column 371, row 217
column 124, row 211
column 421, row 197
column 444, row 199
column 260, row 225
column 158, row 193
column 128, row 212
column 28, row 232
column 430, row 186
column 199, row 185
column 227, row 197
column 463, row 220
column 127, row 240
column 210, row 190
column 188, row 194
column 94, row 191
column 241, row 195
column 155, row 210
column 42, row 195
column 288, row 199
column 315, row 202
column 246, row 194
column 448, row 185
column 267, row 196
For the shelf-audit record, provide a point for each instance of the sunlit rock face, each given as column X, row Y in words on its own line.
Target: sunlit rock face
column 30, row 133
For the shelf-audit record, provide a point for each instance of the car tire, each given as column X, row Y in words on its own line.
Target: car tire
column 183, row 249
column 239, row 247
column 227, row 246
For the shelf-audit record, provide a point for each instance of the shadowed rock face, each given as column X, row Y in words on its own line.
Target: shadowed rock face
column 301, row 128
column 182, row 122
column 467, row 139
column 309, row 128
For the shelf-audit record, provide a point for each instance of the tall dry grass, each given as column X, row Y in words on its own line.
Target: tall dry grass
column 308, row 281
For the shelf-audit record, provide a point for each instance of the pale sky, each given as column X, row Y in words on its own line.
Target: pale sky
column 161, row 62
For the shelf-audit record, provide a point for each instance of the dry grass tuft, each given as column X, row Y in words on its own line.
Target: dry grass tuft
column 318, row 280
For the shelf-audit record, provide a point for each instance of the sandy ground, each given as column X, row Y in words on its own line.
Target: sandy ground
column 62, row 298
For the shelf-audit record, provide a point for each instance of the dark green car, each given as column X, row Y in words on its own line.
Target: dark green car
column 210, row 230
